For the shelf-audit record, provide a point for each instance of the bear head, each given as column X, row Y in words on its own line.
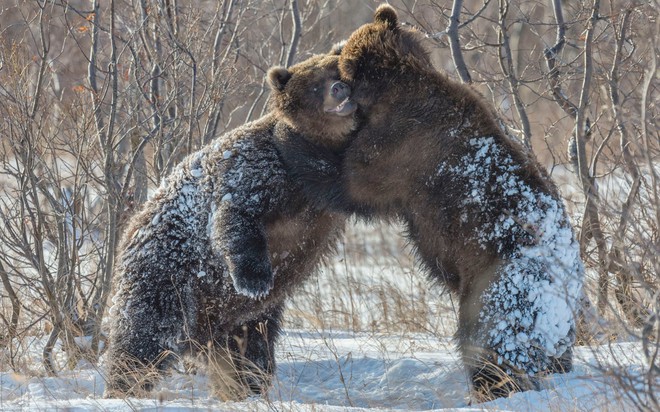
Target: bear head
column 378, row 53
column 310, row 98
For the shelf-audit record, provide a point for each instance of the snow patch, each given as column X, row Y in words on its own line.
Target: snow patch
column 196, row 173
column 343, row 371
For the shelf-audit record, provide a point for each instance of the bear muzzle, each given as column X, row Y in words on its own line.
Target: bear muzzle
column 341, row 92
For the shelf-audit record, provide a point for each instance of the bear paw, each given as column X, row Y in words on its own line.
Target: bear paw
column 252, row 278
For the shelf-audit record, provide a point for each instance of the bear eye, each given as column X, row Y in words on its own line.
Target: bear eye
column 318, row 88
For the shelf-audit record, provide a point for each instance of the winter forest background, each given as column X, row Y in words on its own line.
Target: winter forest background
column 100, row 99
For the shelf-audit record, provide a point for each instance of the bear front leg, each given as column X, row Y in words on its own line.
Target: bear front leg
column 241, row 239
column 244, row 363
column 153, row 315
column 249, row 265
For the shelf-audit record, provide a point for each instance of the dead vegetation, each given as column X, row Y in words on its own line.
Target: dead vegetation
column 99, row 100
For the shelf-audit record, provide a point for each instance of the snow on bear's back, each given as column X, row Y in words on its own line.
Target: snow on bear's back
column 173, row 223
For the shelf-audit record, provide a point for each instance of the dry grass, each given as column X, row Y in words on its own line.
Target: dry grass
column 372, row 284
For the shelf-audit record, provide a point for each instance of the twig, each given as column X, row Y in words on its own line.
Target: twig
column 550, row 55
column 646, row 88
column 295, row 34
column 454, row 43
column 591, row 223
column 631, row 307
column 506, row 65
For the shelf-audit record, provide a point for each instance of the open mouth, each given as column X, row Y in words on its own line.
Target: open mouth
column 346, row 107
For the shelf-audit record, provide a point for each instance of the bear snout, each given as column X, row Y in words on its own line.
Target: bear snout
column 340, row 90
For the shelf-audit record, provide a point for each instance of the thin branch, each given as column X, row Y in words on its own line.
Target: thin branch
column 91, row 76
column 295, row 34
column 475, row 15
column 631, row 307
column 43, row 63
column 550, row 55
column 650, row 75
column 454, row 42
column 591, row 227
column 506, row 65
column 220, row 34
column 12, row 327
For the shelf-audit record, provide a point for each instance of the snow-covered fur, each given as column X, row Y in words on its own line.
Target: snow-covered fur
column 485, row 219
column 205, row 267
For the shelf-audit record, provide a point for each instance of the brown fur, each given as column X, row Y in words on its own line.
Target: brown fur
column 418, row 128
column 205, row 267
column 396, row 145
column 417, row 119
column 304, row 112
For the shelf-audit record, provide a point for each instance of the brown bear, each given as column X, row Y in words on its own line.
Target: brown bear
column 205, row 267
column 485, row 219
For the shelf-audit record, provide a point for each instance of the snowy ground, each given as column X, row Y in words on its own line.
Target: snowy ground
column 409, row 362
column 334, row 371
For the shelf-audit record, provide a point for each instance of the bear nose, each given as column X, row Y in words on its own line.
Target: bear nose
column 340, row 90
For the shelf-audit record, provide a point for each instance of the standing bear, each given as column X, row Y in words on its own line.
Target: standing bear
column 483, row 216
column 205, row 267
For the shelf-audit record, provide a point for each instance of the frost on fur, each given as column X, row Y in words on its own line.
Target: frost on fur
column 197, row 257
column 530, row 306
column 213, row 205
column 251, row 189
column 207, row 264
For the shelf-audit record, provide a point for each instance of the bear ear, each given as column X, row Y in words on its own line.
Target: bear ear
column 337, row 48
column 278, row 77
column 386, row 14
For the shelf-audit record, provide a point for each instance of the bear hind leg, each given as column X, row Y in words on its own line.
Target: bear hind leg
column 244, row 363
column 563, row 363
column 490, row 375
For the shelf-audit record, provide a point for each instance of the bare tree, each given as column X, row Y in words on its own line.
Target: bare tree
column 99, row 100
column 146, row 83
